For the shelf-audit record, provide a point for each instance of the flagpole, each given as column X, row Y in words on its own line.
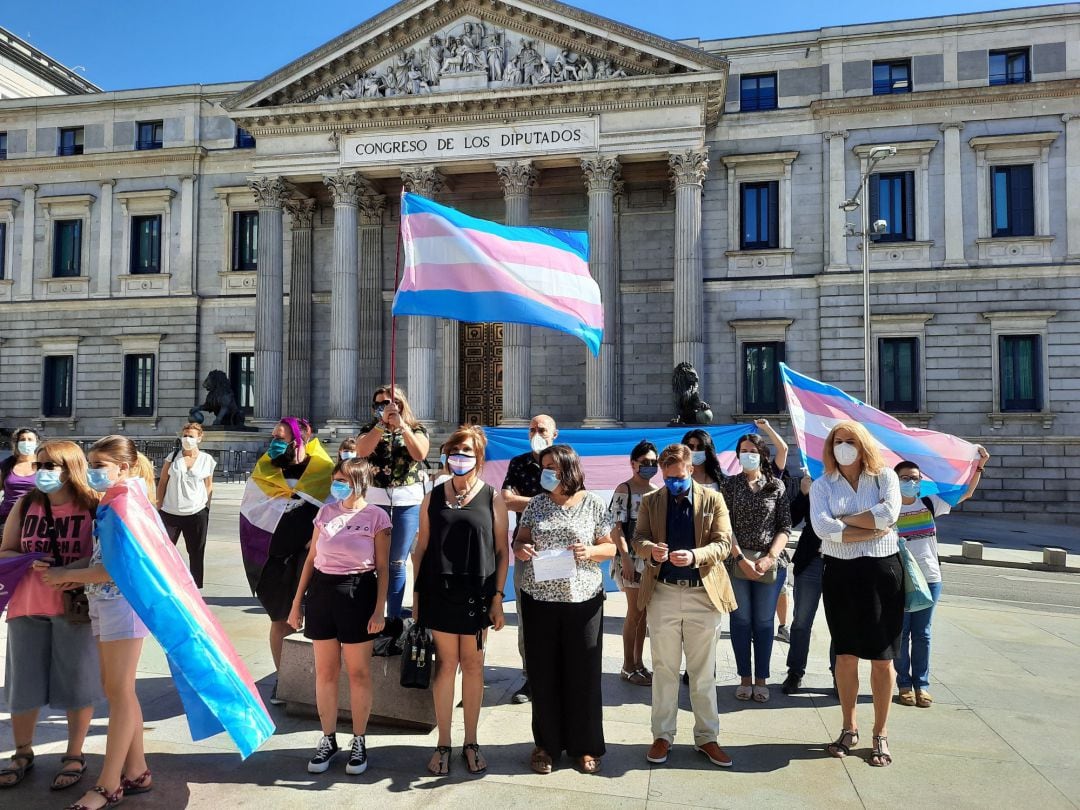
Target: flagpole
column 393, row 318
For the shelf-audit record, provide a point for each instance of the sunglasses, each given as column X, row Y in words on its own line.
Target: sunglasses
column 384, row 403
column 46, row 465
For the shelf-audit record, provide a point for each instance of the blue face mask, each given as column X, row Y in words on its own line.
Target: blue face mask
column 47, row 480
column 647, row 472
column 339, row 490
column 549, row 480
column 347, row 454
column 98, row 479
column 277, row 447
column 750, row 461
column 910, row 489
column 677, row 486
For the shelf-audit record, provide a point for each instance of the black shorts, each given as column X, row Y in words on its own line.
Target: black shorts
column 338, row 606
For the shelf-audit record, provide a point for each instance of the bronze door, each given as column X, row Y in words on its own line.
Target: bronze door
column 481, row 373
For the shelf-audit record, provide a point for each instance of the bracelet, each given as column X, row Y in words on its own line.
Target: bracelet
column 979, row 469
column 501, row 593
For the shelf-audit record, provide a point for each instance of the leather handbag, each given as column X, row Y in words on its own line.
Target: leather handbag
column 917, row 594
column 76, row 604
column 417, row 658
column 768, row 578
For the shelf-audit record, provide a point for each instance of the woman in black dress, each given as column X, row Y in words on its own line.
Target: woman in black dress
column 459, row 565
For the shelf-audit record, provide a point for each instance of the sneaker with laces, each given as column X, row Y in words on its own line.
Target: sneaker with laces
column 324, row 752
column 357, row 756
column 783, row 633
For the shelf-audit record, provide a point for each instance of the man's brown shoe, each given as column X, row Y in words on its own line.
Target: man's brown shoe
column 715, row 754
column 658, row 751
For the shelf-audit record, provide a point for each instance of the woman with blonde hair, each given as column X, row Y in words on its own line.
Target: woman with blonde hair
column 395, row 444
column 50, row 660
column 854, row 507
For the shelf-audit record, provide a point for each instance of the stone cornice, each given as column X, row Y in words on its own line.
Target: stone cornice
column 952, row 97
column 1036, row 139
column 146, row 157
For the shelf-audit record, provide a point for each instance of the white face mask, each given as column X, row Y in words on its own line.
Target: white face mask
column 538, row 443
column 189, row 442
column 697, row 457
column 26, row 447
column 845, row 454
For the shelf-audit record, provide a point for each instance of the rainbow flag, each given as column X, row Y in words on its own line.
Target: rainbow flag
column 216, row 689
column 947, row 463
column 472, row 270
column 266, row 498
column 12, row 570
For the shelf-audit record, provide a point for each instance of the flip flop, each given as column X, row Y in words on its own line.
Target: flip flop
column 66, row 777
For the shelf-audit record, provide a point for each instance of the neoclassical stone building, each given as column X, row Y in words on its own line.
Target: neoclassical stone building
column 151, row 236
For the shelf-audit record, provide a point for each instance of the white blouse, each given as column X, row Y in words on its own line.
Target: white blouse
column 832, row 498
column 186, row 494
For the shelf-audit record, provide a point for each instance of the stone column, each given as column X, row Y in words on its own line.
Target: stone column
column 420, row 385
column 102, row 281
column 688, row 172
column 298, row 374
column 602, row 372
column 838, row 259
column 269, row 306
column 954, row 200
column 518, row 178
column 372, row 206
column 184, row 277
column 24, row 286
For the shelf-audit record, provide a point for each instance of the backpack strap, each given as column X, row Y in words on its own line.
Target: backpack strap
column 51, row 532
column 928, row 503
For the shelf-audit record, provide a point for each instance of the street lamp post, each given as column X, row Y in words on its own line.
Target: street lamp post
column 875, row 156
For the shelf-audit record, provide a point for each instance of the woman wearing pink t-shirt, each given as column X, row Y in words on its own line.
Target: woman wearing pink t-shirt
column 340, row 603
column 50, row 660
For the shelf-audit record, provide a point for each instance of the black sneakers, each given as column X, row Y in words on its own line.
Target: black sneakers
column 324, row 752
column 791, row 684
column 357, row 757
column 522, row 695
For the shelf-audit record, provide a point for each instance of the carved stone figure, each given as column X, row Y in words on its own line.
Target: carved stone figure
column 529, row 59
column 513, row 76
column 416, row 83
column 566, row 66
column 692, row 409
column 542, row 73
column 372, row 85
column 220, row 400
column 470, row 57
column 496, row 57
column 588, row 71
column 451, row 57
column 433, row 58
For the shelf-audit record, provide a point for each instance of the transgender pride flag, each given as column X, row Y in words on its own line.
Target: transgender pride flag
column 472, row 270
column 947, row 462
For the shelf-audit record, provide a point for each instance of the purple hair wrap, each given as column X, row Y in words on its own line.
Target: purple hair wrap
column 293, row 424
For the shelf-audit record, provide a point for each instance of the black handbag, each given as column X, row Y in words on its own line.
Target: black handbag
column 76, row 604
column 417, row 658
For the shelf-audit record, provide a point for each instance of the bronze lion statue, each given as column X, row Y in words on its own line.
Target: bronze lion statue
column 220, row 401
column 691, row 408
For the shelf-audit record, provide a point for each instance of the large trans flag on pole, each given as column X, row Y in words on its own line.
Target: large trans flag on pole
column 947, row 463
column 472, row 270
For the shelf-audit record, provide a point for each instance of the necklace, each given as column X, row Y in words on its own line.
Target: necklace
column 459, row 497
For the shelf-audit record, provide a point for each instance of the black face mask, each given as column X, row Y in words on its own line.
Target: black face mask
column 286, row 459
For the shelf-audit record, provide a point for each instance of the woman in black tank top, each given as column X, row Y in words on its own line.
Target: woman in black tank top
column 459, row 565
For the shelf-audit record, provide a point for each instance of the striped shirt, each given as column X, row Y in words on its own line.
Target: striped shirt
column 832, row 498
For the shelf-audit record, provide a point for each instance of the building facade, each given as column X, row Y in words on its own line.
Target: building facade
column 150, row 237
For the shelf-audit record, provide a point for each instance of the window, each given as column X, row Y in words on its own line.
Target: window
column 244, row 139
column 245, row 240
column 71, row 142
column 138, row 385
column 146, row 244
column 1009, row 67
column 3, row 250
column 892, row 198
column 3, row 146
column 762, row 389
column 67, row 248
column 56, row 385
column 898, row 362
column 1020, row 366
column 757, row 92
column 759, row 226
column 242, row 377
column 892, row 77
column 151, row 135
column 1012, row 201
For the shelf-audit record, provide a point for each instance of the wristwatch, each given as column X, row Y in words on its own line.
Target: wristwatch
column 739, row 559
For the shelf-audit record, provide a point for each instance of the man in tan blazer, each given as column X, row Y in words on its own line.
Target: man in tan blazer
column 684, row 532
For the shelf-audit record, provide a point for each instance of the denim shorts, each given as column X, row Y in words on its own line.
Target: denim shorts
column 50, row 662
column 113, row 619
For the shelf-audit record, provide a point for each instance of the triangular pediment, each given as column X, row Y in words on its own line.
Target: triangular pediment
column 427, row 48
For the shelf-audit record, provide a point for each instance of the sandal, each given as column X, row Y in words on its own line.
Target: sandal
column 636, row 677
column 842, row 747
column 66, row 777
column 540, row 761
column 923, row 699
column 744, row 692
column 880, row 756
column 906, row 697
column 478, row 765
column 588, row 764
column 140, row 784
column 111, row 799
column 18, row 771
column 761, row 694
column 444, row 761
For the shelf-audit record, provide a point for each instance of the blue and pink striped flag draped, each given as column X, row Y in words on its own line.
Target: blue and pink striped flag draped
column 12, row 570
column 214, row 684
column 947, row 462
column 472, row 270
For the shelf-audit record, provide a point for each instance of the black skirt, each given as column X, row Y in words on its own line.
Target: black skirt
column 454, row 610
column 864, row 605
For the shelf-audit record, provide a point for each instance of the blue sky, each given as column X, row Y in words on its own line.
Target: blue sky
column 119, row 44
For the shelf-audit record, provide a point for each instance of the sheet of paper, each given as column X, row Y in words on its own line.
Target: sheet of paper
column 554, row 563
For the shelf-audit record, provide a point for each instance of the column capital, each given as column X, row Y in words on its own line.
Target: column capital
column 371, row 208
column 108, row 182
column 270, row 192
column 517, row 177
column 688, row 168
column 427, row 181
column 31, row 187
column 947, row 125
column 600, row 172
column 302, row 211
column 840, row 133
column 1070, row 116
column 345, row 186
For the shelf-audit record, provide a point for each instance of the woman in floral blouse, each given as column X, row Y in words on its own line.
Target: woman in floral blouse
column 395, row 444
column 564, row 615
